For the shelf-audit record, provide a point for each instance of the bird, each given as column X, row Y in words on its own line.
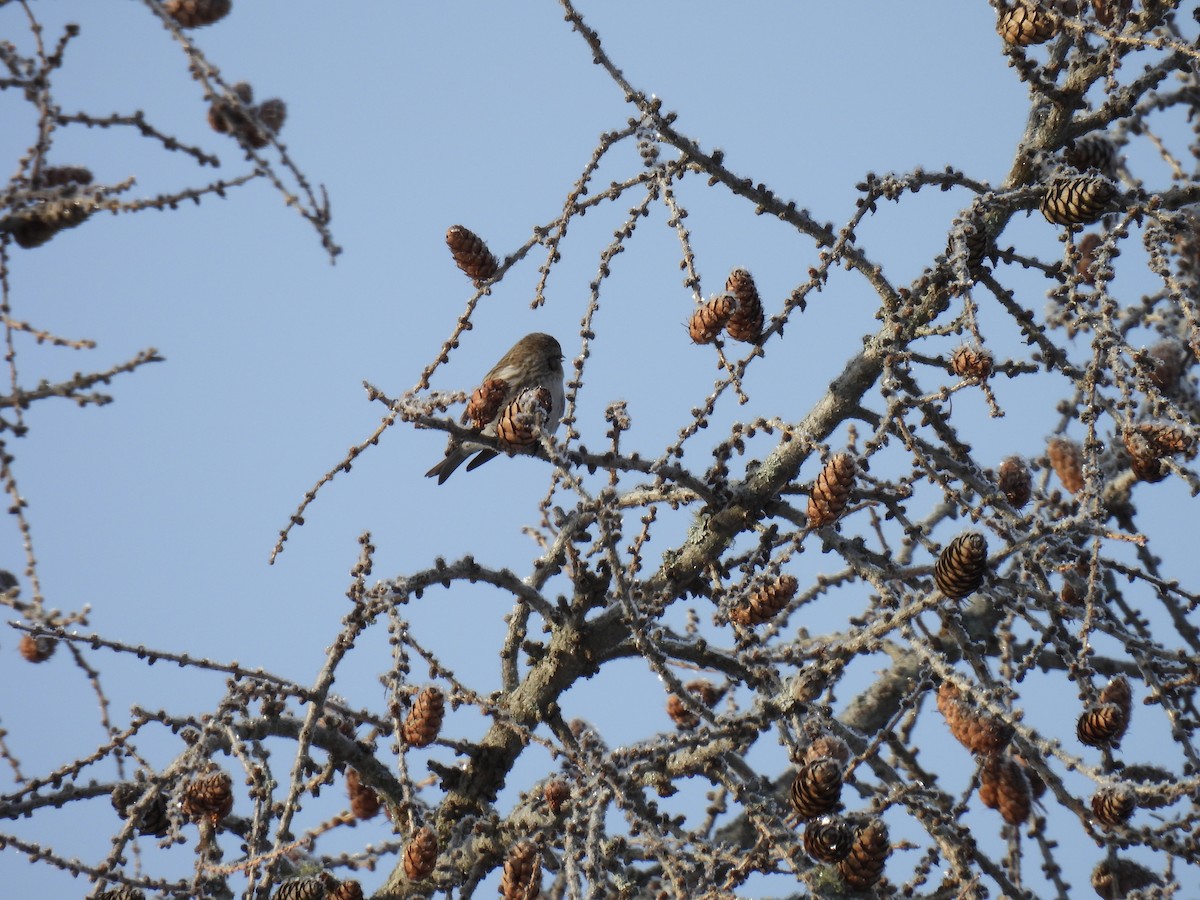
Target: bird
column 534, row 362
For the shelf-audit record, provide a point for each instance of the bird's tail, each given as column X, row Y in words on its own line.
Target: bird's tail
column 444, row 469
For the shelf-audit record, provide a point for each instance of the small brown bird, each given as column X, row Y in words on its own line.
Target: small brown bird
column 535, row 361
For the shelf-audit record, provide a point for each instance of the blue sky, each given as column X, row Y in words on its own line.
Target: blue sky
column 160, row 510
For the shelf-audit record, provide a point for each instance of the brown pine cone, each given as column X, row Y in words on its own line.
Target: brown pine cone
column 828, row 746
column 764, row 603
column 485, row 402
column 817, row 788
column 57, row 176
column 1151, row 442
column 1077, row 200
column 310, row 887
column 425, row 720
column 272, row 114
column 1143, row 775
column 209, row 796
column 1074, row 590
column 1114, row 806
column 331, row 718
column 124, row 892
column 1037, row 787
column 1015, row 482
column 1168, row 358
column 244, row 92
column 347, row 890
column 1186, row 241
column 196, row 13
column 971, row 362
column 746, row 323
column 1111, row 12
column 831, row 490
column 1118, row 692
column 708, row 320
column 828, row 839
column 977, row 243
column 980, row 732
column 152, row 820
column 961, row 565
column 863, row 866
column 34, row 226
column 228, row 116
column 1003, row 786
column 471, row 254
column 364, row 802
column 1167, row 439
column 684, row 718
column 556, row 793
column 1114, row 879
column 36, row 648
column 266, row 120
column 522, row 878
column 517, row 428
column 1066, row 458
column 1104, row 723
column 1144, row 458
column 420, row 854
column 1093, row 151
column 221, row 116
column 1023, row 24
column 1088, row 245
